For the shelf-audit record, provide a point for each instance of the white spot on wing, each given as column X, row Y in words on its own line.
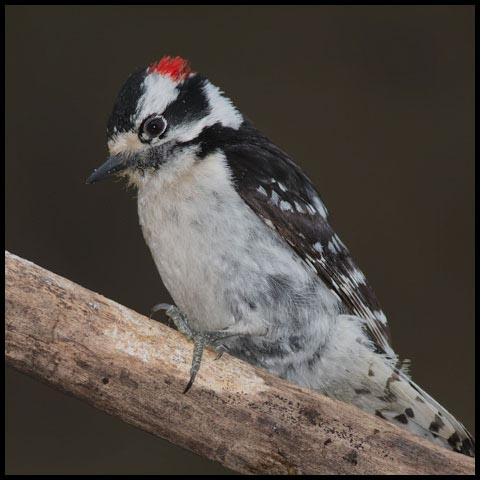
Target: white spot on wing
column 320, row 207
column 338, row 243
column 299, row 207
column 334, row 283
column 262, row 190
column 285, row 206
column 331, row 246
column 336, row 295
column 358, row 276
column 269, row 223
column 380, row 316
column 275, row 197
column 310, row 209
column 311, row 265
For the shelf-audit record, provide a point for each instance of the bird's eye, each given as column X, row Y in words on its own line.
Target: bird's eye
column 154, row 126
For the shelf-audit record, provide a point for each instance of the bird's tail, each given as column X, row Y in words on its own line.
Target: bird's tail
column 417, row 411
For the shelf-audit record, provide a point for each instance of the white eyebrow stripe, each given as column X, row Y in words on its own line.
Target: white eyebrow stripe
column 159, row 92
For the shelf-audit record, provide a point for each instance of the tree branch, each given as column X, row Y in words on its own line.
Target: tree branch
column 248, row 420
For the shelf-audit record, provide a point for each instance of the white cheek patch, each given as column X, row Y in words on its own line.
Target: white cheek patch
column 221, row 111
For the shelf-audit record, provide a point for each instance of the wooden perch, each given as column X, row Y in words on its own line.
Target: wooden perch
column 248, row 420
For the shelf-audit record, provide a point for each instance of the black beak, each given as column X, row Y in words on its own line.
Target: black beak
column 112, row 165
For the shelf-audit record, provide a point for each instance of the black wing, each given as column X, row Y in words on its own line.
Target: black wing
column 275, row 188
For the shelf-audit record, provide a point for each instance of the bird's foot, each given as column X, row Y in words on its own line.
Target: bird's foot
column 200, row 339
column 179, row 319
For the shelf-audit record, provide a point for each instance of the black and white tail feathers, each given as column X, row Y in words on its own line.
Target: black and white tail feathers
column 411, row 407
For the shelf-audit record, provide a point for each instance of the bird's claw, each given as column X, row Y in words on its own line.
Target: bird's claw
column 174, row 314
column 198, row 346
column 200, row 339
column 159, row 306
column 221, row 349
column 199, row 342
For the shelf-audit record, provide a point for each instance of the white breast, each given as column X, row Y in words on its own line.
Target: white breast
column 207, row 244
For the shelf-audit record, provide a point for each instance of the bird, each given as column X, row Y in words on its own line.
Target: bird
column 242, row 242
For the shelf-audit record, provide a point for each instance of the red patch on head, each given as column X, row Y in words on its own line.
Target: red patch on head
column 176, row 68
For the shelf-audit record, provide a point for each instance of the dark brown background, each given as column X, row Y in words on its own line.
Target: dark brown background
column 376, row 103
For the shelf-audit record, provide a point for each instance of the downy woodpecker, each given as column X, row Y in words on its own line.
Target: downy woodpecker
column 242, row 242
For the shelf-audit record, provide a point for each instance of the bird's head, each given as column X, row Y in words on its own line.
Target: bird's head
column 157, row 117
